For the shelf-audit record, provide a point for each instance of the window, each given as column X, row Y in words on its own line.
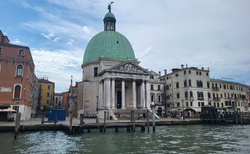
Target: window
column 186, row 103
column 186, row 94
column 177, row 84
column 191, row 103
column 159, row 98
column 178, row 104
column 152, row 98
column 185, row 83
column 152, row 87
column 95, row 71
column 178, row 95
column 190, row 82
column 176, row 75
column 199, row 104
column 21, row 52
column 209, row 95
column 197, row 73
column 48, row 86
column 191, row 94
column 200, row 73
column 208, row 85
column 19, row 71
column 0, row 50
column 202, row 103
column 17, row 94
column 189, row 71
column 48, row 94
column 47, row 101
column 16, row 108
column 151, row 77
column 207, row 74
column 159, row 87
column 184, row 72
column 199, row 83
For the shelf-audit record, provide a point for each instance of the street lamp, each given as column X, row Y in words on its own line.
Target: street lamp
column 97, row 120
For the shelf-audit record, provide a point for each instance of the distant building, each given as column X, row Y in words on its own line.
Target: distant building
column 58, row 101
column 35, row 94
column 229, row 94
column 46, row 93
column 157, row 93
column 16, row 78
column 186, row 87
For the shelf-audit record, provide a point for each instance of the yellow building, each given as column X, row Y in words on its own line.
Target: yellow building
column 46, row 93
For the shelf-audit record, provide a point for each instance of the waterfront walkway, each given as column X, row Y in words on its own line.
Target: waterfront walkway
column 89, row 121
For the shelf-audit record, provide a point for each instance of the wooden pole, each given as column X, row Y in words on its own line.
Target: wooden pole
column 16, row 126
column 153, row 116
column 104, row 121
column 148, row 120
column 71, row 120
column 81, row 123
column 133, row 121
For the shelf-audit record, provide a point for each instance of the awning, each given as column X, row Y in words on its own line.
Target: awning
column 8, row 110
column 192, row 109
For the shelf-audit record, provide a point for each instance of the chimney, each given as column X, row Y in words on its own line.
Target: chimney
column 202, row 68
column 165, row 71
column 159, row 73
column 182, row 66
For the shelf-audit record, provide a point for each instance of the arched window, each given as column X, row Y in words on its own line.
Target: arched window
column 17, row 94
column 159, row 98
column 48, row 94
column 19, row 71
column 152, row 97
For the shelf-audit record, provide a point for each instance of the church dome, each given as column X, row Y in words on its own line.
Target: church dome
column 109, row 44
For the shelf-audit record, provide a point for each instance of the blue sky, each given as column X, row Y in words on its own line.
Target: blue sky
column 164, row 34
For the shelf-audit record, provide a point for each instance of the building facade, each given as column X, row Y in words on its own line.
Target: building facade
column 112, row 78
column 157, row 94
column 46, row 93
column 229, row 94
column 58, row 101
column 187, row 87
column 17, row 78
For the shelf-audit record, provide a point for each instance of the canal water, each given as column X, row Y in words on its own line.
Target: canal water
column 166, row 139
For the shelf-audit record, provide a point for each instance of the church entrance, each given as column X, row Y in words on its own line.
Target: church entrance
column 119, row 99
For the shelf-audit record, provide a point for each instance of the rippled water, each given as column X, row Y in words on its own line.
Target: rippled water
column 166, row 139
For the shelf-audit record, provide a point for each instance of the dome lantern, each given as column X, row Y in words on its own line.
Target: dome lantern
column 109, row 20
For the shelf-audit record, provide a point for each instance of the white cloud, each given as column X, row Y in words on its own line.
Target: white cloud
column 58, row 66
column 47, row 36
column 70, row 42
column 16, row 41
column 56, row 39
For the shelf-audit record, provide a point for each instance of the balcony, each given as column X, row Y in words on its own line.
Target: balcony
column 216, row 99
column 201, row 98
column 215, row 88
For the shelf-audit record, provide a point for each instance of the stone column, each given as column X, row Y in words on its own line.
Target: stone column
column 123, row 94
column 147, row 95
column 113, row 93
column 100, row 103
column 142, row 94
column 134, row 94
column 107, row 92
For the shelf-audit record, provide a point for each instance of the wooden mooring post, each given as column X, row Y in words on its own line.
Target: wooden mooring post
column 104, row 121
column 148, row 120
column 17, row 124
column 70, row 123
column 55, row 121
column 81, row 123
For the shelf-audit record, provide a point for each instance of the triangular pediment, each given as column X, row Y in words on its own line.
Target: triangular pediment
column 128, row 67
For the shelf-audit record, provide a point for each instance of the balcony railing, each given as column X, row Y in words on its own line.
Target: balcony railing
column 215, row 88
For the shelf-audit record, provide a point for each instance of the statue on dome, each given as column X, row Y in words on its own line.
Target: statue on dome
column 109, row 7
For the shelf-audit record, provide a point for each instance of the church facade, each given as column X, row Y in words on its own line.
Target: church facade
column 112, row 78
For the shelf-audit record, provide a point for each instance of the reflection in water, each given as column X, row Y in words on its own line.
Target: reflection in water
column 166, row 139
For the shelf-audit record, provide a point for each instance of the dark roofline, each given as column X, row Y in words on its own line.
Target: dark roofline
column 13, row 45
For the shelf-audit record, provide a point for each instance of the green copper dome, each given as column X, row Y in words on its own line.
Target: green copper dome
column 109, row 15
column 108, row 44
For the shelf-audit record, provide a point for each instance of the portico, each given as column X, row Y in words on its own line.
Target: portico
column 124, row 88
